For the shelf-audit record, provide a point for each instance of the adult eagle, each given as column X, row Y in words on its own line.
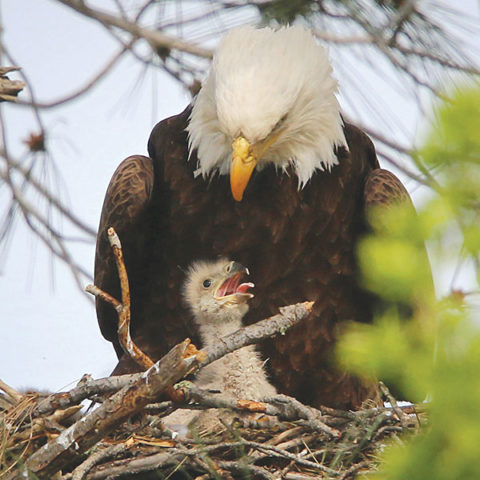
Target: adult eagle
column 261, row 169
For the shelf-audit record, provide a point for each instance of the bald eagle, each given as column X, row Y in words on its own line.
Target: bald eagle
column 217, row 296
column 260, row 168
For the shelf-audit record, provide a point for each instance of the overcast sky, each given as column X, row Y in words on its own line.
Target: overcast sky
column 49, row 335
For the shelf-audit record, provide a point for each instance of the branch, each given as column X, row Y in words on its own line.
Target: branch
column 27, row 175
column 402, row 416
column 129, row 347
column 82, row 90
column 9, row 89
column 129, row 401
column 11, row 393
column 85, row 389
column 110, row 452
column 123, row 308
column 268, row 328
column 157, row 39
column 55, row 242
column 282, row 406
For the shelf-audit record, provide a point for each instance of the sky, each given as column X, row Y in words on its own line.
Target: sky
column 49, row 335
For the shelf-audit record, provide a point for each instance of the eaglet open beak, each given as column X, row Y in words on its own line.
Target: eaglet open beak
column 232, row 289
column 244, row 159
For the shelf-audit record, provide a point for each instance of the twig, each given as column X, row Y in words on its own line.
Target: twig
column 106, row 297
column 299, row 476
column 92, row 82
column 352, row 471
column 122, row 308
column 278, row 452
column 39, row 425
column 11, row 392
column 55, row 242
column 27, row 175
column 110, row 452
column 242, row 468
column 172, row 458
column 84, row 390
column 129, row 347
column 399, row 412
column 367, row 438
column 292, row 408
column 137, row 465
column 9, row 89
column 281, row 406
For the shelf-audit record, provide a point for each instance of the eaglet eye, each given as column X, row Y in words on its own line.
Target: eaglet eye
column 207, row 283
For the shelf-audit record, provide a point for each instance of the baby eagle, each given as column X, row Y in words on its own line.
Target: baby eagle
column 218, row 298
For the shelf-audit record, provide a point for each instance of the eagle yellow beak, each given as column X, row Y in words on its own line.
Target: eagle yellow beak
column 241, row 169
column 244, row 159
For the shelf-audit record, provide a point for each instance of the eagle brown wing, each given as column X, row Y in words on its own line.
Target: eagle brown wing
column 125, row 209
column 382, row 187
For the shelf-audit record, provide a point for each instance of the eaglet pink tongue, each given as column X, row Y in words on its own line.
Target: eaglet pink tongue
column 231, row 286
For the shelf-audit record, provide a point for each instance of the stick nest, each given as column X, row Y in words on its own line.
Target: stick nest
column 270, row 447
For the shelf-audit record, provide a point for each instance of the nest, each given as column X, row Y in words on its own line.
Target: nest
column 299, row 442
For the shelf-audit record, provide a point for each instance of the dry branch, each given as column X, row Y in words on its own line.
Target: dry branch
column 280, row 323
column 109, row 452
column 282, row 406
column 85, row 389
column 123, row 307
column 129, row 347
column 113, row 412
column 9, row 89
column 157, row 39
column 13, row 395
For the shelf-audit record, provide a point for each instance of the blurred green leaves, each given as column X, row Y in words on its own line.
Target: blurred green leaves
column 452, row 148
column 437, row 348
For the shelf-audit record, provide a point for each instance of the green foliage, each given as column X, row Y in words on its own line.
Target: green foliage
column 286, row 11
column 452, row 148
column 437, row 349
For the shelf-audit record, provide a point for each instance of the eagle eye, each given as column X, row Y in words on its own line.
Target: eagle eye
column 207, row 283
column 280, row 123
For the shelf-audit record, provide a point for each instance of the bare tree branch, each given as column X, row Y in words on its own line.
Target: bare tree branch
column 32, row 180
column 155, row 38
column 9, row 89
column 87, row 87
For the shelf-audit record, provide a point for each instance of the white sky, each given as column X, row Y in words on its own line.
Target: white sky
column 48, row 329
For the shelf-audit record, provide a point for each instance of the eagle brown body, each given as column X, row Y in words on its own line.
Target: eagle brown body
column 298, row 243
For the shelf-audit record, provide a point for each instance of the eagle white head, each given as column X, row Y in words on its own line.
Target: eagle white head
column 269, row 98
